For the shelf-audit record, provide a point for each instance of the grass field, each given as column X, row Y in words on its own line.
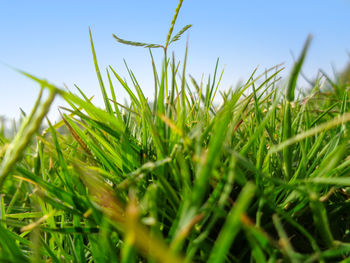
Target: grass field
column 261, row 177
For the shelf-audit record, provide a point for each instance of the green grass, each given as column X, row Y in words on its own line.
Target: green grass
column 260, row 177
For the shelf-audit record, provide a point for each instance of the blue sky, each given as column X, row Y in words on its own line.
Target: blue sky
column 50, row 39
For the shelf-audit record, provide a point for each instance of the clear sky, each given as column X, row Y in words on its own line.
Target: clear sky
column 50, row 39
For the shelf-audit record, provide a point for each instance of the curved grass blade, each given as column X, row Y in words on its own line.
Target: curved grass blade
column 100, row 81
column 180, row 33
column 311, row 132
column 136, row 44
column 24, row 137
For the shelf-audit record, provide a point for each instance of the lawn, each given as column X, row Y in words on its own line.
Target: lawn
column 256, row 173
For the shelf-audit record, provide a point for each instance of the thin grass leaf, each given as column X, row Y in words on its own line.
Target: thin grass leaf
column 290, row 92
column 102, row 86
column 179, row 34
column 321, row 221
column 232, row 225
column 136, row 44
column 23, row 139
column 320, row 128
column 177, row 10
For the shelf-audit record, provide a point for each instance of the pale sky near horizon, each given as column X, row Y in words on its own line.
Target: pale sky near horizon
column 50, row 39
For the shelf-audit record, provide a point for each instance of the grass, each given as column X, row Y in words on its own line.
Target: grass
column 262, row 177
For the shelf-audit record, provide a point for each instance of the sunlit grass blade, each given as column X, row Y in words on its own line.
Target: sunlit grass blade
column 177, row 10
column 318, row 129
column 287, row 117
column 102, row 86
column 137, row 44
column 180, row 33
column 24, row 137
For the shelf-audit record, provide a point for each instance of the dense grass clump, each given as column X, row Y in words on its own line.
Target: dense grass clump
column 261, row 177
